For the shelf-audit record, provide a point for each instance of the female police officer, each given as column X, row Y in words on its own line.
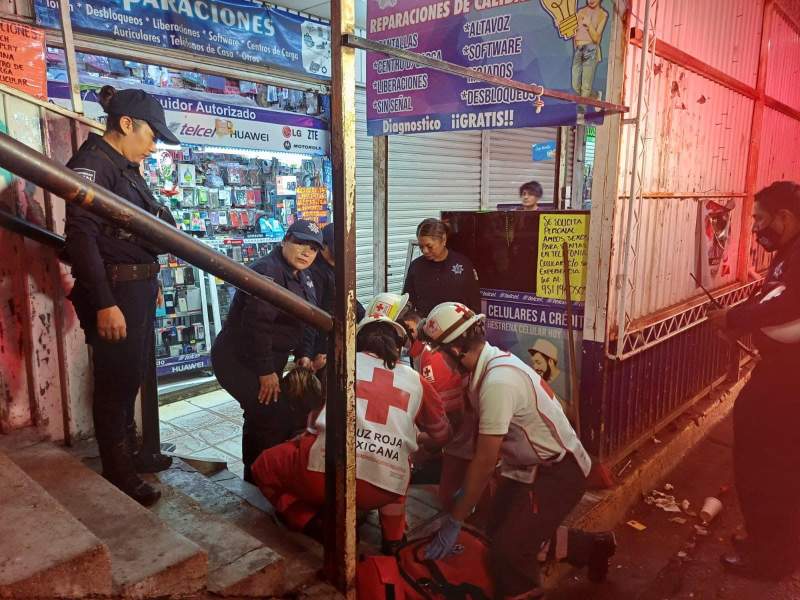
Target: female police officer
column 115, row 276
column 440, row 274
column 251, row 352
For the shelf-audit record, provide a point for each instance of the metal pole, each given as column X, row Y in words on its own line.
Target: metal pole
column 380, row 212
column 575, row 399
column 578, row 177
column 354, row 41
column 69, row 55
column 622, row 293
column 58, row 179
column 340, row 465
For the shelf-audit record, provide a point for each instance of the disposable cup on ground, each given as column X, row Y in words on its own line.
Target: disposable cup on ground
column 711, row 508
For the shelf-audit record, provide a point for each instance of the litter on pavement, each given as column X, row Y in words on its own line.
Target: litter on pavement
column 636, row 525
column 663, row 501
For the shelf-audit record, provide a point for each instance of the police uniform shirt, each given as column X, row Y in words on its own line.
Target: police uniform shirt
column 323, row 276
column 773, row 314
column 88, row 243
column 261, row 332
column 454, row 279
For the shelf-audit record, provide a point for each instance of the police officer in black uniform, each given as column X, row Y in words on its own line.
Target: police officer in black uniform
column 115, row 272
column 440, row 274
column 253, row 347
column 767, row 411
column 315, row 348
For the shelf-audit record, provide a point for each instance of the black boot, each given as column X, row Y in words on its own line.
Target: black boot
column 144, row 462
column 118, row 469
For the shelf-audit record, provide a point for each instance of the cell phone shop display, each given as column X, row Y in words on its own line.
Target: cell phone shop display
column 181, row 330
column 240, row 204
column 220, row 193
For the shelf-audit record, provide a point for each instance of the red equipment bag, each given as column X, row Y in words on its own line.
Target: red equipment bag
column 377, row 578
column 462, row 575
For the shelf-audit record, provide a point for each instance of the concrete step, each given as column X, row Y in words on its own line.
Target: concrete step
column 148, row 559
column 238, row 564
column 228, row 497
column 45, row 551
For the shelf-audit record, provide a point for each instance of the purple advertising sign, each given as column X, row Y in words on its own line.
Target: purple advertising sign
column 561, row 45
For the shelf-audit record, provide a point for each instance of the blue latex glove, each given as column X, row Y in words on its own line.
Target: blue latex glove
column 444, row 540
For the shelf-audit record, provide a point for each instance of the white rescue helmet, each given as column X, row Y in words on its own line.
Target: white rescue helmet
column 387, row 305
column 379, row 319
column 447, row 322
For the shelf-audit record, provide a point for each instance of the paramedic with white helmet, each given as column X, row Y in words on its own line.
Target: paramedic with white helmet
column 543, row 466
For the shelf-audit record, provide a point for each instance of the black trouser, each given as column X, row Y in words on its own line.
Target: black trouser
column 767, row 463
column 524, row 517
column 118, row 372
column 265, row 425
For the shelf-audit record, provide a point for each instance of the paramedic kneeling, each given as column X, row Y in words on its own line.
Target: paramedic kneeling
column 392, row 401
column 543, row 466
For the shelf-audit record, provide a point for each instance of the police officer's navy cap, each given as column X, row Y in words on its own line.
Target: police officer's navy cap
column 306, row 231
column 138, row 104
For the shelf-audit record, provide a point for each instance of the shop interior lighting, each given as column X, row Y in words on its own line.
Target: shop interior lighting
column 284, row 157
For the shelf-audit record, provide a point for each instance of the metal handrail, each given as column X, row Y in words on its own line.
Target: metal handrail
column 61, row 181
column 29, row 230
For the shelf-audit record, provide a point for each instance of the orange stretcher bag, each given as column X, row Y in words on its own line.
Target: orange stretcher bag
column 463, row 575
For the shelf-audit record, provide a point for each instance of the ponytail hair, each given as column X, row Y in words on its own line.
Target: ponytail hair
column 382, row 340
column 104, row 98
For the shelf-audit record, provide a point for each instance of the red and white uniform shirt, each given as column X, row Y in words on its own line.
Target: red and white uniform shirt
column 390, row 404
column 512, row 400
column 452, row 387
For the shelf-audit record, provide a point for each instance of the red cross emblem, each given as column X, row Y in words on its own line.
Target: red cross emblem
column 380, row 394
column 380, row 310
column 461, row 309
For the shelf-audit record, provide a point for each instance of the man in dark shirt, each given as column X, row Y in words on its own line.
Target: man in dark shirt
column 115, row 271
column 251, row 352
column 767, row 411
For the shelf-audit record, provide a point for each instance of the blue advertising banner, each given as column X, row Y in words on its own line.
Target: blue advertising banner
column 535, row 330
column 208, row 123
column 560, row 45
column 236, row 30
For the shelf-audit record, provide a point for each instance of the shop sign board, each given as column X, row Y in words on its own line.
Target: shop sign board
column 22, row 62
column 238, row 30
column 183, row 363
column 554, row 230
column 312, row 204
column 209, row 123
column 554, row 44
